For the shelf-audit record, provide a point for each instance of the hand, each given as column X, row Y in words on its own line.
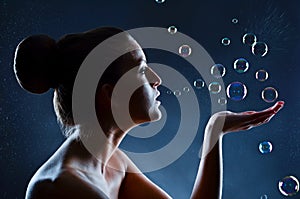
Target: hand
column 227, row 121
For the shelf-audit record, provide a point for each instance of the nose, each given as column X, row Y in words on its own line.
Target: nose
column 154, row 79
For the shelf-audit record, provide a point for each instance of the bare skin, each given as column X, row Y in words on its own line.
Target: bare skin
column 72, row 172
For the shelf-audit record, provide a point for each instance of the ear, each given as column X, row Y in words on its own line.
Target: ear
column 104, row 94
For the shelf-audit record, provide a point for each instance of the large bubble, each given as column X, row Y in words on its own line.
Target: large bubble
column 269, row 94
column 260, row 49
column 288, row 186
column 218, row 70
column 249, row 39
column 241, row 65
column 236, row 91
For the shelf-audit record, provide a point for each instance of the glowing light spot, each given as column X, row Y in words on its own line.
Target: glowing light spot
column 172, row 30
column 269, row 94
column 225, row 41
column 241, row 65
column 218, row 70
column 288, row 186
column 261, row 75
column 214, row 87
column 236, row 91
column 160, row 1
column 199, row 83
column 185, row 50
column 260, row 49
column 249, row 39
column 265, row 147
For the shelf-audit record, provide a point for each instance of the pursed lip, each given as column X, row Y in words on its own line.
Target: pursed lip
column 157, row 94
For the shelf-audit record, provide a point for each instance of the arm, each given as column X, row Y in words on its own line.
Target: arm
column 208, row 184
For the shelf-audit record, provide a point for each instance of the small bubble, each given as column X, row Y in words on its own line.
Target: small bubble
column 172, row 30
column 214, row 87
column 236, row 91
column 259, row 49
column 177, row 93
column 218, row 70
column 186, row 89
column 261, row 75
column 225, row 41
column 264, row 197
column 185, row 50
column 235, row 20
column 199, row 83
column 222, row 101
column 265, row 147
column 241, row 65
column 160, row 1
column 169, row 92
column 269, row 94
column 249, row 39
column 288, row 186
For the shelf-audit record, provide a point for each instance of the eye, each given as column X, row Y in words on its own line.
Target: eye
column 143, row 70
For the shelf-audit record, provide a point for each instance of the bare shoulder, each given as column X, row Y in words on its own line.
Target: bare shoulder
column 66, row 185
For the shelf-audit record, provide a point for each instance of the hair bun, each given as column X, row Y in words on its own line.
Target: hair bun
column 35, row 62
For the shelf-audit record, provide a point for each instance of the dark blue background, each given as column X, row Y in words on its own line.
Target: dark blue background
column 29, row 133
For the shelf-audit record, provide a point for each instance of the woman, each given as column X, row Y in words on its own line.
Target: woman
column 72, row 171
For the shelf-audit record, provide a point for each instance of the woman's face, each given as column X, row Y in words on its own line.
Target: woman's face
column 143, row 105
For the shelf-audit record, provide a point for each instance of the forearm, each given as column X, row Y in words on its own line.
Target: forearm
column 208, row 183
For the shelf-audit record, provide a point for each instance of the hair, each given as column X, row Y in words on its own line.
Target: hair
column 42, row 63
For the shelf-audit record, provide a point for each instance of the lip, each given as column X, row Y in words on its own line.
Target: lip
column 157, row 94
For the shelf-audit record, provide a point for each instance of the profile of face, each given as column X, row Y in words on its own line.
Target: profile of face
column 143, row 105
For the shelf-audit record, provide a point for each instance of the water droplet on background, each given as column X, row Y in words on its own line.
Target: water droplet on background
column 261, row 75
column 241, row 65
column 225, row 41
column 260, row 49
column 236, row 91
column 169, row 92
column 269, row 94
column 218, row 70
column 199, row 83
column 264, row 197
column 172, row 30
column 214, row 87
column 185, row 50
column 265, row 147
column 249, row 39
column 288, row 186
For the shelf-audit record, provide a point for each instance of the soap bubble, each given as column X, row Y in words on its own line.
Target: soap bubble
column 235, row 20
column 249, row 39
column 169, row 92
column 199, row 83
column 288, row 186
column 186, row 89
column 241, row 65
column 225, row 41
column 236, row 91
column 177, row 93
column 260, row 49
column 185, row 50
column 261, row 75
column 269, row 94
column 222, row 101
column 214, row 87
column 172, row 30
column 265, row 147
column 218, row 70
column 160, row 1
column 264, row 197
